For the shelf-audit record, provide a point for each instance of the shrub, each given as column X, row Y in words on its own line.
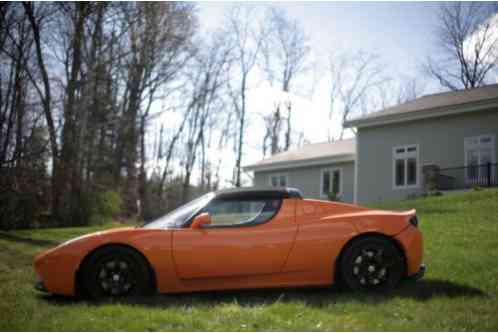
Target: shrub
column 434, row 193
column 104, row 207
column 111, row 203
column 17, row 210
column 333, row 196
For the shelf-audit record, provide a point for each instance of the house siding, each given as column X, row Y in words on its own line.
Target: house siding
column 307, row 179
column 440, row 141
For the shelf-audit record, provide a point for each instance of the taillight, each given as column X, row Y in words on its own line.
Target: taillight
column 414, row 221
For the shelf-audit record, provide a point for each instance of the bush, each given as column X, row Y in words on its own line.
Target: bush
column 434, row 193
column 103, row 207
column 17, row 210
column 332, row 196
column 414, row 196
column 111, row 203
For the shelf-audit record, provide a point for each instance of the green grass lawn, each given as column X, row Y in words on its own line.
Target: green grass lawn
column 459, row 291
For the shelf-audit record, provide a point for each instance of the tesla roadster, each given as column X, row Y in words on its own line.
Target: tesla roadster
column 241, row 238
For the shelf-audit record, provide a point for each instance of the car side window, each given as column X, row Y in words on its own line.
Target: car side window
column 240, row 212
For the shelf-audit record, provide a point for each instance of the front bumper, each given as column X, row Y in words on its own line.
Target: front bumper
column 55, row 272
column 420, row 274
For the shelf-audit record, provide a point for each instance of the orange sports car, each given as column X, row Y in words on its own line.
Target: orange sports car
column 242, row 238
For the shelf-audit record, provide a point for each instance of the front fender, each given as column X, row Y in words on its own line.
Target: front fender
column 57, row 267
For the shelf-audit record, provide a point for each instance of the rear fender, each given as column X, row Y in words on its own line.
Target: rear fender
column 375, row 221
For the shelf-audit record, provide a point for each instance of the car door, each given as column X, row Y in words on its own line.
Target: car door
column 247, row 236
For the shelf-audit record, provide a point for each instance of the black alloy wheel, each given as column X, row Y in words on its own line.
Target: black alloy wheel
column 115, row 277
column 116, row 271
column 372, row 264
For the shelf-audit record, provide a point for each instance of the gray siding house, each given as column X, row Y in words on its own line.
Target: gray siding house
column 442, row 141
column 316, row 169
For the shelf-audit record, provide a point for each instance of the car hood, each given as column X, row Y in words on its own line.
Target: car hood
column 109, row 232
column 81, row 245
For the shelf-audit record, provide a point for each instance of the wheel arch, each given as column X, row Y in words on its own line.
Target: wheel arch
column 337, row 266
column 86, row 258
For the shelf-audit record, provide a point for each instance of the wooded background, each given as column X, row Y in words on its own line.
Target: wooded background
column 80, row 84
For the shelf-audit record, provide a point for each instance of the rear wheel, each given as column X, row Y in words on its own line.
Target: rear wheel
column 372, row 263
column 116, row 271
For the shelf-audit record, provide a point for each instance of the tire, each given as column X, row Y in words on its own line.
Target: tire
column 372, row 263
column 116, row 272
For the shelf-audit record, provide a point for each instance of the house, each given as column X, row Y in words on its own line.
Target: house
column 442, row 141
column 316, row 169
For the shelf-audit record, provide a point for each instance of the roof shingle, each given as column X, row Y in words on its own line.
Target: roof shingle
column 341, row 148
column 435, row 101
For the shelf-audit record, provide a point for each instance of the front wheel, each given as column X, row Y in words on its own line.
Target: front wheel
column 116, row 271
column 372, row 264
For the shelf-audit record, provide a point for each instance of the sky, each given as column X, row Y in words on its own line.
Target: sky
column 402, row 34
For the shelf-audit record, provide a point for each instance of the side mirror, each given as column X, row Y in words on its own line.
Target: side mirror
column 200, row 221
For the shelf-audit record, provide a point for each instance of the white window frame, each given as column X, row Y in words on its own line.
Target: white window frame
column 331, row 170
column 406, row 156
column 285, row 175
column 468, row 145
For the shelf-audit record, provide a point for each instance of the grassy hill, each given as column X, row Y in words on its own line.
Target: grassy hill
column 459, row 291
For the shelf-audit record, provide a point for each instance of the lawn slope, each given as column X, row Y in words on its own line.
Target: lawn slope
column 459, row 291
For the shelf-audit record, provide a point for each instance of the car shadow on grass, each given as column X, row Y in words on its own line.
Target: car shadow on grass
column 422, row 290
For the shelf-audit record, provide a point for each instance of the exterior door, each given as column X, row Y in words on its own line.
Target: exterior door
column 479, row 151
column 246, row 237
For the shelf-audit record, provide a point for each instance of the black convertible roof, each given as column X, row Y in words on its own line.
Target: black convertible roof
column 259, row 192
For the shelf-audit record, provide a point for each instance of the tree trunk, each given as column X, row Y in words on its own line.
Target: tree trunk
column 70, row 210
column 142, row 187
column 46, row 98
column 275, row 135
column 238, row 163
column 288, row 132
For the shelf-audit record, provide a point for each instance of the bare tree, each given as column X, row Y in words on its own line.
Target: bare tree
column 223, row 140
column 247, row 40
column 23, row 144
column 468, row 40
column 210, row 67
column 69, row 178
column 37, row 19
column 273, row 124
column 168, row 155
column 285, row 55
column 409, row 89
column 393, row 92
column 353, row 78
column 158, row 34
column 79, row 81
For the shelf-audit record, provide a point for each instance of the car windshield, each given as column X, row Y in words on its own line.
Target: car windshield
column 180, row 215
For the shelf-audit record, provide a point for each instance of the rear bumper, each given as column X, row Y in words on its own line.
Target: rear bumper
column 411, row 242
